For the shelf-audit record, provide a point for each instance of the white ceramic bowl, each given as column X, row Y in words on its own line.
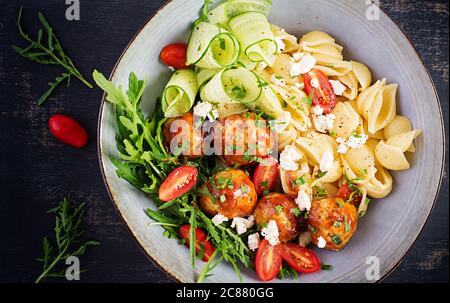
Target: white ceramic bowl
column 391, row 224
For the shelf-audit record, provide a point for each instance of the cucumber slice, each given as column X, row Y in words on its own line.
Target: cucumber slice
column 237, row 7
column 224, row 12
column 212, row 47
column 219, row 16
column 179, row 94
column 204, row 75
column 253, row 30
column 232, row 85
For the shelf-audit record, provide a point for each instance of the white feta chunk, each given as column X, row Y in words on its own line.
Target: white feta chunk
column 253, row 241
column 205, row 110
column 338, row 87
column 270, row 233
column 326, row 163
column 306, row 64
column 219, row 219
column 303, row 201
column 289, row 158
column 242, row 224
column 324, row 123
column 321, row 243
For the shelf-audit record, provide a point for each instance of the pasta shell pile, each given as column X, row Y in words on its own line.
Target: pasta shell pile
column 364, row 110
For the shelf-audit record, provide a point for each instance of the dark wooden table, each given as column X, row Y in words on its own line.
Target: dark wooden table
column 36, row 171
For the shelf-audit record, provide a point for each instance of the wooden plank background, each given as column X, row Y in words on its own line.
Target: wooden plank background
column 36, row 171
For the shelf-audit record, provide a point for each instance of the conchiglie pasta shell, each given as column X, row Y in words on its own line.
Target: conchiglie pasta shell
column 378, row 135
column 347, row 119
column 381, row 185
column 399, row 125
column 316, row 38
column 286, row 137
column 385, row 111
column 362, row 162
column 362, row 73
column 282, row 67
column 314, row 149
column 339, row 68
column 404, row 140
column 391, row 157
column 351, row 82
column 290, row 41
column 367, row 97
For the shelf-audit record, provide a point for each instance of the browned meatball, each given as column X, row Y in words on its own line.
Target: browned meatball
column 180, row 132
column 230, row 193
column 278, row 207
column 334, row 220
column 244, row 137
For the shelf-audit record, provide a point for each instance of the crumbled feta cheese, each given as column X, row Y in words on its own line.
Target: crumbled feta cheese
column 338, row 87
column 315, row 82
column 172, row 68
column 324, row 123
column 277, row 80
column 289, row 158
column 297, row 56
column 357, row 141
column 304, row 168
column 303, row 201
column 342, row 148
column 281, row 124
column 327, row 161
column 205, row 110
column 253, row 241
column 270, row 233
column 318, row 110
column 305, row 65
column 280, row 44
column 219, row 219
column 242, row 224
column 321, row 243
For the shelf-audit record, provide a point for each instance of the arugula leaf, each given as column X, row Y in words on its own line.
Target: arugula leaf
column 49, row 52
column 204, row 13
column 68, row 242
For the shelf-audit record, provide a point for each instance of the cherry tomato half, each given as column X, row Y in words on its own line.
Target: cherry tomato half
column 174, row 55
column 266, row 175
column 201, row 242
column 268, row 261
column 323, row 93
column 178, row 182
column 300, row 258
column 68, row 130
column 345, row 192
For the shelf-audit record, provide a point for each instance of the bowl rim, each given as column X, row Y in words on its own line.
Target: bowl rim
column 173, row 275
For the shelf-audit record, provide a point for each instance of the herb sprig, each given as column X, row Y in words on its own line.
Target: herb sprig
column 46, row 49
column 67, row 239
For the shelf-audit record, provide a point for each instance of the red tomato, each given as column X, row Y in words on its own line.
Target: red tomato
column 268, row 261
column 323, row 95
column 68, row 130
column 201, row 242
column 300, row 258
column 178, row 182
column 266, row 175
column 345, row 192
column 174, row 55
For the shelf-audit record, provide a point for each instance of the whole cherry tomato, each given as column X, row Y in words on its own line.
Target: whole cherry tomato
column 174, row 55
column 68, row 130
